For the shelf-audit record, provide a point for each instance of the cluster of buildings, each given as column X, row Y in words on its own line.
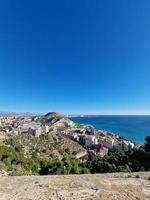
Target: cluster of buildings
column 100, row 142
column 17, row 125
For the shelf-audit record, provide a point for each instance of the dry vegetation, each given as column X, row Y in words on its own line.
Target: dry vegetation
column 52, row 145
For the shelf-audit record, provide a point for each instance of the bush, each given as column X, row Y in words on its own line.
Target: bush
column 134, row 161
column 68, row 165
column 137, row 176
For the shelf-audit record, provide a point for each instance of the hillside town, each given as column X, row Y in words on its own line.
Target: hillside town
column 99, row 142
column 16, row 125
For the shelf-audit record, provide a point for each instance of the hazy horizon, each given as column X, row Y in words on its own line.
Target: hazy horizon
column 63, row 113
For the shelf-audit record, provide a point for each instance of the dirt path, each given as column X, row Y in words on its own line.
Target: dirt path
column 76, row 187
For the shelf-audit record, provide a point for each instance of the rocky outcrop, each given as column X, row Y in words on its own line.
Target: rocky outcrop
column 3, row 173
column 63, row 123
column 51, row 118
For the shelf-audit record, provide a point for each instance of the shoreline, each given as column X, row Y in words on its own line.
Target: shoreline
column 135, row 129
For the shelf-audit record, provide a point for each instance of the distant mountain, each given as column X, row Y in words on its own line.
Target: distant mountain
column 7, row 113
column 51, row 118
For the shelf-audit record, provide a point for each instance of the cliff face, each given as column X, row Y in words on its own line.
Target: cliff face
column 118, row 186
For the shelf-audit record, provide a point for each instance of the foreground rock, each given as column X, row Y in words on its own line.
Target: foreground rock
column 135, row 186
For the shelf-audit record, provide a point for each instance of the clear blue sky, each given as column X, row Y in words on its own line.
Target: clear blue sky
column 82, row 56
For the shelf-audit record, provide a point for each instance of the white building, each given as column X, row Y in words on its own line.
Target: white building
column 90, row 140
column 117, row 146
column 109, row 143
column 45, row 129
column 125, row 145
column 131, row 145
column 38, row 132
column 35, row 131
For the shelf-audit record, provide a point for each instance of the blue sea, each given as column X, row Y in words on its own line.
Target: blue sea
column 134, row 128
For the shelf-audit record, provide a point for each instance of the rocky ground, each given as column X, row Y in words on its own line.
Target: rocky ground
column 120, row 186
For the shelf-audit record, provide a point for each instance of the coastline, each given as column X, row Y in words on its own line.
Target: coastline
column 132, row 127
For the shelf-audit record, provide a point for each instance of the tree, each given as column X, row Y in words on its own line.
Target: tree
column 147, row 144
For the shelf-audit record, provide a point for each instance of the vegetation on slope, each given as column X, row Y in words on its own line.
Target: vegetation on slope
column 51, row 146
column 27, row 155
column 49, row 154
column 17, row 164
column 133, row 161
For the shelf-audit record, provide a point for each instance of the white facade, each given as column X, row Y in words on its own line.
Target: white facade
column 45, row 129
column 109, row 143
column 125, row 145
column 131, row 145
column 38, row 132
column 90, row 140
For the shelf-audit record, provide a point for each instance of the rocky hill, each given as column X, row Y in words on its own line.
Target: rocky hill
column 120, row 186
column 51, row 118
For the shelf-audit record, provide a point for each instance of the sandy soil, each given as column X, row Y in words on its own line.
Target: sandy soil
column 118, row 186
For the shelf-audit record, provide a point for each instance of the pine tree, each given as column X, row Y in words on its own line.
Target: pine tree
column 147, row 144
